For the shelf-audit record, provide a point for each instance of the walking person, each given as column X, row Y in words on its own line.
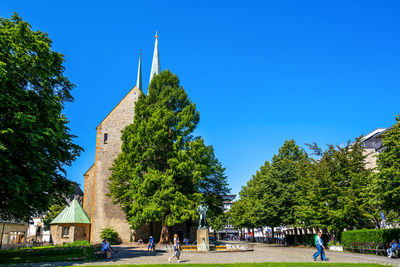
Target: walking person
column 177, row 246
column 320, row 247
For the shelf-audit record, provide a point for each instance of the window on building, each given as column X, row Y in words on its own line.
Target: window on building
column 105, row 138
column 65, row 231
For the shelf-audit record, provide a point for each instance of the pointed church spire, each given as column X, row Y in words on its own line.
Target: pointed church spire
column 139, row 73
column 155, row 66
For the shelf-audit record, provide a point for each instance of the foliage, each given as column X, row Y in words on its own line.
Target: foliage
column 270, row 195
column 59, row 203
column 387, row 182
column 53, row 212
column 75, row 244
column 333, row 243
column 331, row 191
column 306, row 239
column 370, row 235
column 35, row 143
column 111, row 235
column 335, row 194
column 220, row 221
column 164, row 171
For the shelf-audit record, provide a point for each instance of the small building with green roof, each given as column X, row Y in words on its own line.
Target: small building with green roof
column 72, row 224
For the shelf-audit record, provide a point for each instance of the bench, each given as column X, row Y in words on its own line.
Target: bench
column 371, row 247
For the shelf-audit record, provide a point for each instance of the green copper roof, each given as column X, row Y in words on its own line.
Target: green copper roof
column 72, row 214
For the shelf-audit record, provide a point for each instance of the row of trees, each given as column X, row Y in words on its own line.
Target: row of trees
column 327, row 189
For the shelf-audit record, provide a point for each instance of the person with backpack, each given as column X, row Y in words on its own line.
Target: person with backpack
column 320, row 246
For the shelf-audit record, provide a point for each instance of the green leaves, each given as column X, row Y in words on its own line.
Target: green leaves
column 387, row 180
column 333, row 192
column 164, row 171
column 35, row 142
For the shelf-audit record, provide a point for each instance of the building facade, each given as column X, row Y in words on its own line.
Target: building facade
column 72, row 224
column 12, row 233
column 100, row 208
column 372, row 143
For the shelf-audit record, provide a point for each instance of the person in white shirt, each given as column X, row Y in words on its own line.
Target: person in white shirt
column 320, row 247
column 177, row 246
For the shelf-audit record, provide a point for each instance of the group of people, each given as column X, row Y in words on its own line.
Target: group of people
column 177, row 247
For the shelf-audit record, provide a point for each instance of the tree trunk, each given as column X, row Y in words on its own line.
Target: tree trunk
column 152, row 229
column 2, row 233
column 188, row 225
column 262, row 234
column 273, row 234
column 164, row 237
column 295, row 235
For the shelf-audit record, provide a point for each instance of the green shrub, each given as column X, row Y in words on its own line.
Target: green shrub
column 370, row 235
column 305, row 239
column 111, row 235
column 334, row 243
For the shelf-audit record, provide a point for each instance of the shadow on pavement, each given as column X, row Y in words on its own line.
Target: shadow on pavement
column 130, row 252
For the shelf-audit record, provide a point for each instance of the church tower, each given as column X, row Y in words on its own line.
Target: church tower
column 100, row 208
column 155, row 65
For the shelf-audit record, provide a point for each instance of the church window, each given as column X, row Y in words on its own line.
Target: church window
column 65, row 231
column 105, row 138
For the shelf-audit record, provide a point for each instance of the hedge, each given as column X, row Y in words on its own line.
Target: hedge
column 370, row 235
column 304, row 239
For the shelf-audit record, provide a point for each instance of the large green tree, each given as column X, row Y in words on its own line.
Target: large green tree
column 388, row 175
column 35, row 142
column 164, row 171
column 269, row 197
column 334, row 195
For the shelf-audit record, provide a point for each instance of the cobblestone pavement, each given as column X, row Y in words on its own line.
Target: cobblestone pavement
column 131, row 254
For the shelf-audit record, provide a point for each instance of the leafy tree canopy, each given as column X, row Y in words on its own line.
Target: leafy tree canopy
column 35, row 142
column 334, row 194
column 388, row 176
column 164, row 171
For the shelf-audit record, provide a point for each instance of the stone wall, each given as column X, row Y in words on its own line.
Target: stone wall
column 88, row 196
column 370, row 160
column 56, row 234
column 81, row 232
column 77, row 232
column 103, row 213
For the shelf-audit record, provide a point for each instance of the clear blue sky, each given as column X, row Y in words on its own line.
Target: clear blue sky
column 260, row 72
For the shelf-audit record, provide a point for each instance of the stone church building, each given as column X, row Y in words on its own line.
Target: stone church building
column 99, row 207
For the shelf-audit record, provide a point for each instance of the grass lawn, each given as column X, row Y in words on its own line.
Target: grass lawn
column 265, row 264
column 39, row 258
column 44, row 254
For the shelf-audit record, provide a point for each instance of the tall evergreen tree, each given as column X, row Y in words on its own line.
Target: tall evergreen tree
column 35, row 142
column 163, row 171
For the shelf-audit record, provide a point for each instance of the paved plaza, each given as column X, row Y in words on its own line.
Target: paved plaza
column 132, row 254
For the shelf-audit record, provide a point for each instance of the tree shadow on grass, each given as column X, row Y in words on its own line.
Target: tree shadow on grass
column 125, row 252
